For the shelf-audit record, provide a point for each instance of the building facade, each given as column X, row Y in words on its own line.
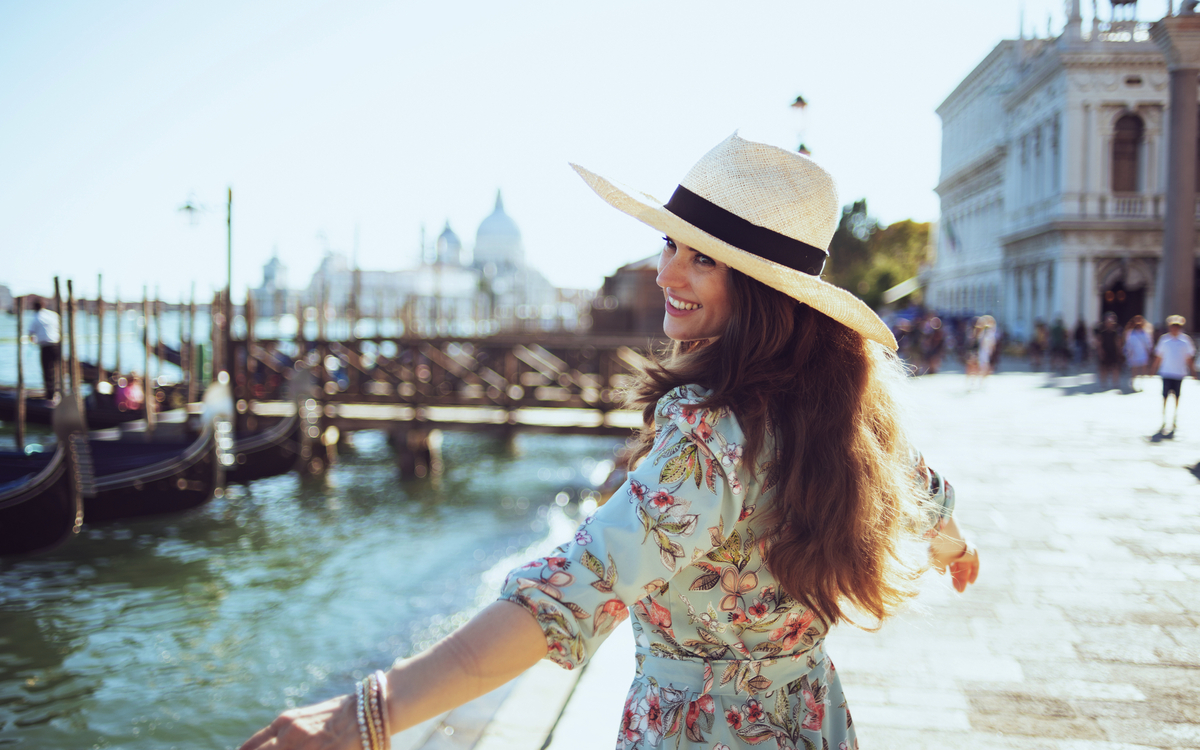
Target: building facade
column 454, row 291
column 1053, row 177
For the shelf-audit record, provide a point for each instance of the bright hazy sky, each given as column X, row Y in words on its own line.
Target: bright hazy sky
column 384, row 115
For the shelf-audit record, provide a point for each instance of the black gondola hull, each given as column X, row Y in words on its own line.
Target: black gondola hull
column 41, row 513
column 41, row 411
column 274, row 451
column 174, row 484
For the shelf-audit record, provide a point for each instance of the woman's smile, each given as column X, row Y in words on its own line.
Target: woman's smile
column 696, row 290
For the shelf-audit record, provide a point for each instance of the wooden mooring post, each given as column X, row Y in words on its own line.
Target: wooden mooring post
column 20, row 301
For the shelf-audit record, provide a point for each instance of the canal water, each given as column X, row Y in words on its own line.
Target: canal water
column 194, row 631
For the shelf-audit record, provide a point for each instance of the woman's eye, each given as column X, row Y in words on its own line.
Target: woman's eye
column 704, row 260
column 670, row 243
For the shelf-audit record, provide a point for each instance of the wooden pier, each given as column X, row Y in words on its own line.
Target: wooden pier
column 413, row 388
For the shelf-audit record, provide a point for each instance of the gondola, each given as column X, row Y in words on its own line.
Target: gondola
column 41, row 495
column 268, row 453
column 143, row 474
column 169, row 470
column 101, row 414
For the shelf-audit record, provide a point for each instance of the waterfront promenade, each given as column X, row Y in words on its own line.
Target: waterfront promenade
column 1083, row 632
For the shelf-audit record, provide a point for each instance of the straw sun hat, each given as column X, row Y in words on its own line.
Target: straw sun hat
column 768, row 212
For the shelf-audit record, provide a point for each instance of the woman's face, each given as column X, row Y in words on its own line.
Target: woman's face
column 697, row 293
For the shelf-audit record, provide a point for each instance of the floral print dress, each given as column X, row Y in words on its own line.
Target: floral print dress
column 725, row 658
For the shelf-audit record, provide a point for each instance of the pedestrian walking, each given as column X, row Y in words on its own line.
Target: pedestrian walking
column 1109, row 348
column 1038, row 343
column 772, row 488
column 46, row 331
column 1137, row 349
column 1174, row 360
column 982, row 349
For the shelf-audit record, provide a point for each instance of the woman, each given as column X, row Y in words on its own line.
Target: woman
column 773, row 490
column 1137, row 348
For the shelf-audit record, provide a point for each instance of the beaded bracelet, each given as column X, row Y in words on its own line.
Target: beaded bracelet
column 370, row 696
column 361, row 711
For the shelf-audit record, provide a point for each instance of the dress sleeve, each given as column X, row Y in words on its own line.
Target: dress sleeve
column 941, row 496
column 681, row 497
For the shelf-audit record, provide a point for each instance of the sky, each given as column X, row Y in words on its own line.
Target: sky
column 350, row 126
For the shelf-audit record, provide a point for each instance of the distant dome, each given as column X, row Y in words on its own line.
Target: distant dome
column 498, row 240
column 449, row 247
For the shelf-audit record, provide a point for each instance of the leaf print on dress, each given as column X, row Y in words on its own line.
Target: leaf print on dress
column 673, row 521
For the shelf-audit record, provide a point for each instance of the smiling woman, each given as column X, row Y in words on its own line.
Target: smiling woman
column 771, row 488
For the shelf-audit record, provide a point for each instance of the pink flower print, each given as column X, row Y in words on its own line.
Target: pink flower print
column 653, row 612
column 637, row 491
column 582, row 537
column 767, row 593
column 747, row 510
column 738, row 617
column 815, row 715
column 793, row 627
column 662, row 500
column 557, row 563
column 689, row 414
column 754, row 711
column 651, row 709
column 704, row 430
column 630, row 734
column 758, row 610
column 733, row 717
column 731, row 455
column 723, row 746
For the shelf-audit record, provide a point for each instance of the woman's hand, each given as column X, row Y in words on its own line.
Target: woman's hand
column 331, row 725
column 950, row 549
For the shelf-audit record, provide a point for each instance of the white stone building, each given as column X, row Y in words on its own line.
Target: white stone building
column 1052, row 180
column 454, row 291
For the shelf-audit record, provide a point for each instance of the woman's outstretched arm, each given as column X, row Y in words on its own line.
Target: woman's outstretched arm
column 498, row 644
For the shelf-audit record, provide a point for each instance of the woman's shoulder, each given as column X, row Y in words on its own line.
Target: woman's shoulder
column 680, row 414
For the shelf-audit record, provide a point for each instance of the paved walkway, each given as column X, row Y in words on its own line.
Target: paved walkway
column 1082, row 632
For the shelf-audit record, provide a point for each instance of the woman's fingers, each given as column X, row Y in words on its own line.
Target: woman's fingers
column 260, row 738
column 325, row 726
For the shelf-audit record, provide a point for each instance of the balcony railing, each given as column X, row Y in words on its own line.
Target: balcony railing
column 1121, row 31
column 1126, row 206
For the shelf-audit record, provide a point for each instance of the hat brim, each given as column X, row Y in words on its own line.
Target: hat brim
column 834, row 301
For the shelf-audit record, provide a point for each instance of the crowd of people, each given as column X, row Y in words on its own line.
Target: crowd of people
column 1120, row 354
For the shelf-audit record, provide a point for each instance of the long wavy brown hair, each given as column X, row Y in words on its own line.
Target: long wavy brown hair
column 845, row 490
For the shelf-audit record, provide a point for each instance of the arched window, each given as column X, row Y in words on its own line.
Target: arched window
column 1126, row 148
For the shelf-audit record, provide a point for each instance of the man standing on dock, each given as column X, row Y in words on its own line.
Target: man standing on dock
column 46, row 331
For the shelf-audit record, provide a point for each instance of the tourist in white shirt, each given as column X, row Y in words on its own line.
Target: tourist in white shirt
column 1174, row 358
column 46, row 333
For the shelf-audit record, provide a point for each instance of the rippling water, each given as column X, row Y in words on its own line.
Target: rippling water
column 196, row 630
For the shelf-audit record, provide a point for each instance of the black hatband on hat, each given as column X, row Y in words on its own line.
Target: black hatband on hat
column 729, row 227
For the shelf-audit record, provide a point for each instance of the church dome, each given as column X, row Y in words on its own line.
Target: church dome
column 498, row 240
column 449, row 247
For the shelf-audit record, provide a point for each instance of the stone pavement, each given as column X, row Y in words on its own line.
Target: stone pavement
column 1082, row 632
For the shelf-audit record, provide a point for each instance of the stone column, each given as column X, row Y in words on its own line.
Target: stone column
column 1091, row 294
column 1012, row 316
column 1179, row 39
column 1067, row 279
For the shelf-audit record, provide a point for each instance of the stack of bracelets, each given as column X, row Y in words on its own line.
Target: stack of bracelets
column 371, row 708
